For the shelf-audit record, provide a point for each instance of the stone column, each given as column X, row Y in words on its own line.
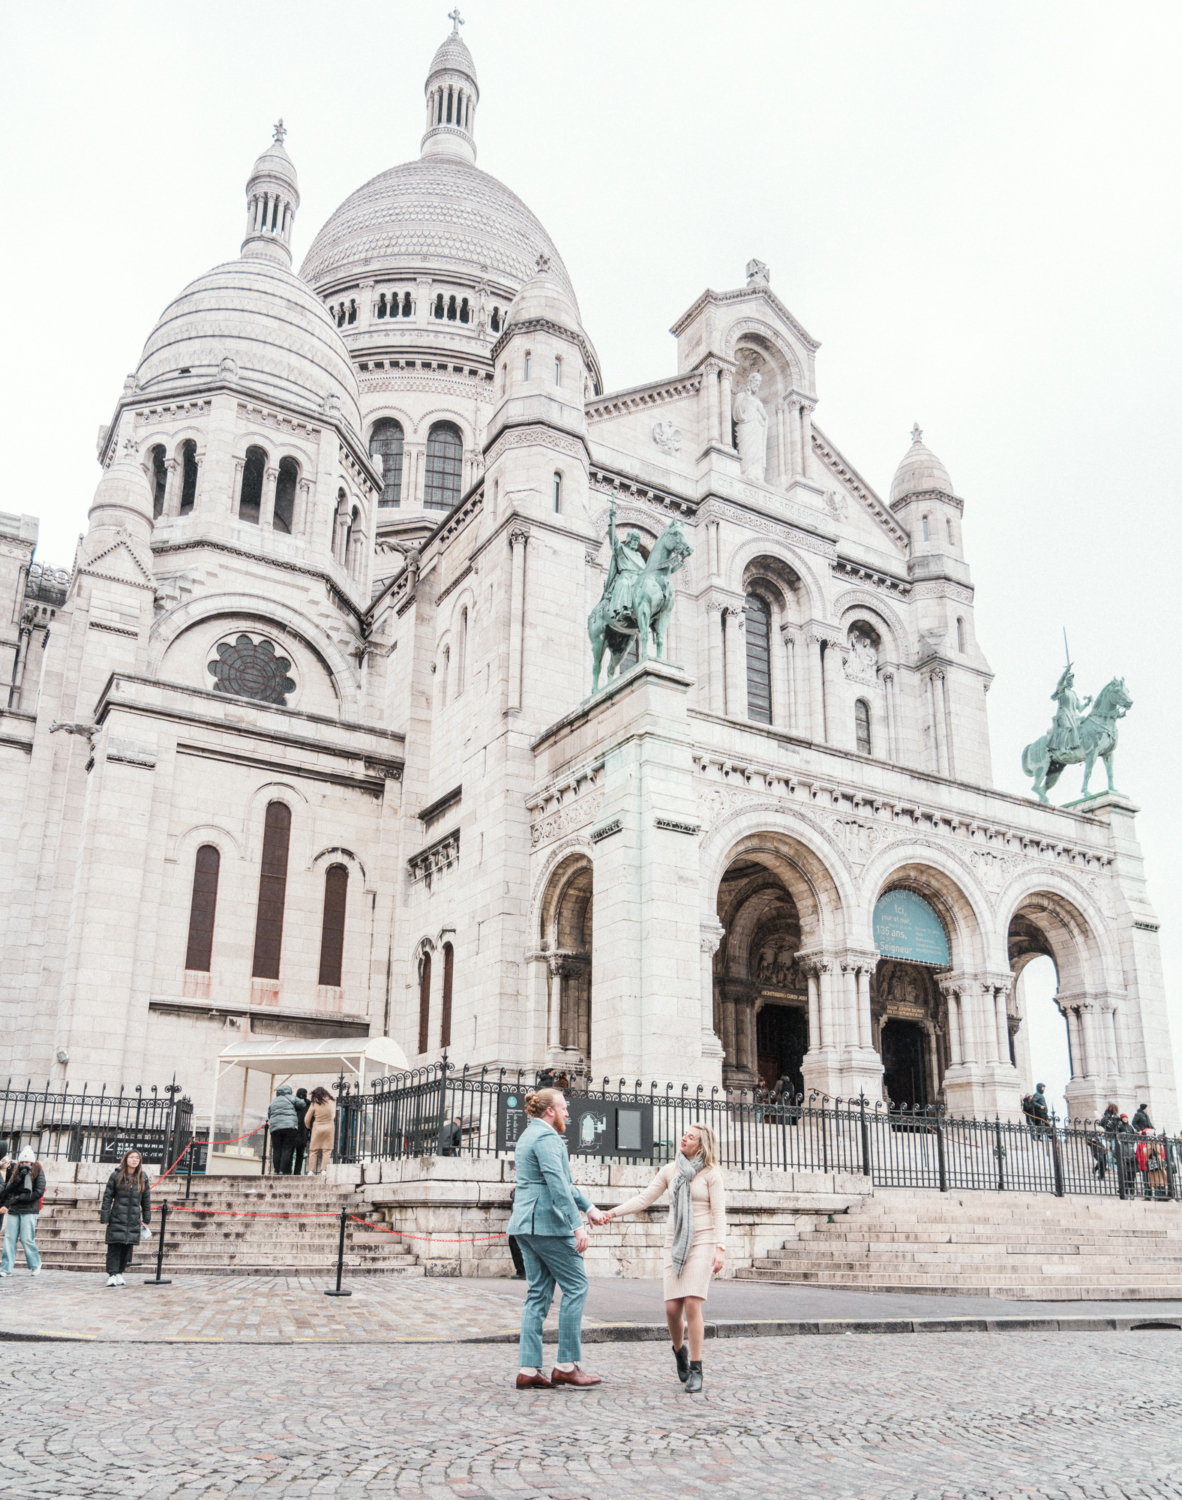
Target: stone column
column 815, row 1039
column 888, row 692
column 173, row 487
column 736, row 664
column 365, row 301
column 935, row 707
column 808, row 465
column 236, row 488
column 715, row 680
column 267, row 510
column 710, row 398
column 299, row 523
column 784, row 701
column 946, row 709
column 554, row 1027
column 725, row 398
column 831, row 704
column 792, row 423
column 712, row 1053
column 517, row 541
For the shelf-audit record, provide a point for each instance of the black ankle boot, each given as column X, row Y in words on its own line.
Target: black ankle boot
column 694, row 1383
column 682, row 1357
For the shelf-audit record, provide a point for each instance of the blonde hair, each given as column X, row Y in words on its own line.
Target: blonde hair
column 537, row 1103
column 708, row 1141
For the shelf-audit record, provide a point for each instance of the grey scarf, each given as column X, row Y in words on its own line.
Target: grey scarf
column 683, row 1209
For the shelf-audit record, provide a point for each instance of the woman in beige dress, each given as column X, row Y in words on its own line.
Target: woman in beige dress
column 695, row 1242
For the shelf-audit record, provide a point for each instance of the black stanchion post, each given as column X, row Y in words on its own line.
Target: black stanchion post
column 189, row 1171
column 865, row 1137
column 941, row 1158
column 266, row 1133
column 159, row 1280
column 341, row 1258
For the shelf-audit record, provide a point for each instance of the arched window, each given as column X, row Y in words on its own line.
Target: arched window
column 862, row 726
column 385, row 444
column 285, row 495
column 948, row 523
column 759, row 660
column 926, row 533
column 445, row 466
column 159, row 479
column 340, row 529
column 268, row 926
column 352, row 544
column 960, row 635
column 449, row 964
column 529, row 359
column 495, row 321
column 203, row 908
column 424, row 1002
column 439, row 305
column 352, row 311
column 557, row 372
column 462, row 652
column 382, row 305
column 464, row 313
column 558, row 493
column 407, row 307
column 251, row 500
column 444, row 673
column 341, row 316
column 189, row 478
column 451, row 309
column 332, row 928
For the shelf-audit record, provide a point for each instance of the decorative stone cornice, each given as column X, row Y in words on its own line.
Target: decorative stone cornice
column 636, row 398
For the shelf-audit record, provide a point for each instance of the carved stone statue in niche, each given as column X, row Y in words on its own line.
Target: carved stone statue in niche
column 863, row 659
column 776, row 967
column 750, row 417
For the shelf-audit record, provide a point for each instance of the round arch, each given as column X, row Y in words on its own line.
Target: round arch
column 748, row 553
column 1062, row 921
column 950, row 888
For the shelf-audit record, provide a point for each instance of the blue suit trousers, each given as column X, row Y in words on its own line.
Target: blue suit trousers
column 551, row 1259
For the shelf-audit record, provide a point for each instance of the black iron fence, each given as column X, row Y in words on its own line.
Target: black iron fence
column 81, row 1125
column 442, row 1111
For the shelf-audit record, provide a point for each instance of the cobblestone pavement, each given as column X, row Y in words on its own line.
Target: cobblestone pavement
column 385, row 1309
column 961, row 1417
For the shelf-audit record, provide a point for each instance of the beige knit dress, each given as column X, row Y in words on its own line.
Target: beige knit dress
column 708, row 1194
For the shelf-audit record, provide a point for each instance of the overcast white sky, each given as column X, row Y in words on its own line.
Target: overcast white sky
column 974, row 207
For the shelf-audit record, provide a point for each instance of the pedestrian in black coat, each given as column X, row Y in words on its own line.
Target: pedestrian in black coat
column 127, row 1207
column 1141, row 1120
column 302, row 1104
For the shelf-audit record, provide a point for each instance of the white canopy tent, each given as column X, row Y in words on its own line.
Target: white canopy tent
column 359, row 1058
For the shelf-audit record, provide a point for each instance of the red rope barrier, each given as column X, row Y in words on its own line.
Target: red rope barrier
column 435, row 1239
column 233, row 1141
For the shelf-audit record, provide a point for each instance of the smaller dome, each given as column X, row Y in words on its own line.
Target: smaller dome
column 544, row 296
column 256, row 320
column 453, row 57
column 275, row 163
column 920, row 470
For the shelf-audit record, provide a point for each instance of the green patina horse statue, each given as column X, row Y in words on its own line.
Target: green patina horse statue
column 1096, row 740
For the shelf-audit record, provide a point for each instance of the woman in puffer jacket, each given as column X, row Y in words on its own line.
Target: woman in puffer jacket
column 127, row 1206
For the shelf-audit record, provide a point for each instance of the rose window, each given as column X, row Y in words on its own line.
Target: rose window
column 250, row 669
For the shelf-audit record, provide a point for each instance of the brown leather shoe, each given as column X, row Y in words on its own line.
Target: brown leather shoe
column 574, row 1377
column 533, row 1382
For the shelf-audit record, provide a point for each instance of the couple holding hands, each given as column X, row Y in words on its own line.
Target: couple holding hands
column 548, row 1225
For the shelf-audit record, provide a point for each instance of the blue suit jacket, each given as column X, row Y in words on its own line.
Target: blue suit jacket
column 546, row 1200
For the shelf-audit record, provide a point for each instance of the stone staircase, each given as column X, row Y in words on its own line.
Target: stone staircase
column 200, row 1242
column 988, row 1245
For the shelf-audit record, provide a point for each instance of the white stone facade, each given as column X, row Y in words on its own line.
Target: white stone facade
column 350, row 527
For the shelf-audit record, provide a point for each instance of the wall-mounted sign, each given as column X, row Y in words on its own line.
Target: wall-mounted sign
column 905, row 926
column 596, row 1126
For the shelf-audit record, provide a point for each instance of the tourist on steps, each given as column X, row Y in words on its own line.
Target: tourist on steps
column 319, row 1120
column 20, row 1203
column 1141, row 1120
column 302, row 1105
column 547, row 1221
column 126, row 1211
column 285, row 1129
column 695, row 1241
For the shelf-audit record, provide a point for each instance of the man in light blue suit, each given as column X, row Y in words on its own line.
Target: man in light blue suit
column 547, row 1222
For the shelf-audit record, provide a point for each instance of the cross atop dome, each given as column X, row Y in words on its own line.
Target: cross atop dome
column 456, row 20
column 916, row 434
column 280, row 131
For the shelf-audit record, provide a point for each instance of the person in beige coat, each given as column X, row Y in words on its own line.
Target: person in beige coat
column 695, row 1242
column 319, row 1120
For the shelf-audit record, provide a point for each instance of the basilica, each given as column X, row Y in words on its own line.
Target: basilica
column 309, row 738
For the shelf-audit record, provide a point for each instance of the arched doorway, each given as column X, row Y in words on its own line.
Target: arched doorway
column 566, row 939
column 909, row 1019
column 761, row 993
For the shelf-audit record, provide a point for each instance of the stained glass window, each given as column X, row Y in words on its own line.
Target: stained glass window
column 246, row 668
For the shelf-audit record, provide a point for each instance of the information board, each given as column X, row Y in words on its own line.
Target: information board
column 594, row 1127
column 905, row 926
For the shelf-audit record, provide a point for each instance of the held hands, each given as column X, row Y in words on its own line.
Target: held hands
column 597, row 1216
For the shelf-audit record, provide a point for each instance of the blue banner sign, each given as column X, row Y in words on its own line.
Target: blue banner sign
column 905, row 926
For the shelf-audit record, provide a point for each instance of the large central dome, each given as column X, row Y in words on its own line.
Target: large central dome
column 439, row 214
